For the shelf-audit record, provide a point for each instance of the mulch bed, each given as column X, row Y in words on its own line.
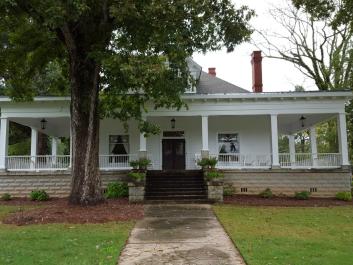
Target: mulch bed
column 253, row 200
column 59, row 211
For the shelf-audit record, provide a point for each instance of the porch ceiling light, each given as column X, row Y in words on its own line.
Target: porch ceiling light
column 302, row 119
column 172, row 123
column 43, row 123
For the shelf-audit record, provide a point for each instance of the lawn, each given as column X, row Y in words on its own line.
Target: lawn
column 283, row 236
column 58, row 244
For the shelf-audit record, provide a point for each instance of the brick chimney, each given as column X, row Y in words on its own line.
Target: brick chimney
column 256, row 62
column 212, row 71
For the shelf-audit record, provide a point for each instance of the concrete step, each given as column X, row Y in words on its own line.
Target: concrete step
column 169, row 186
column 151, row 188
column 194, row 201
column 176, row 184
column 175, row 197
column 175, row 193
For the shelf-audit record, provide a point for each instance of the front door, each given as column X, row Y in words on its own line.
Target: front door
column 173, row 152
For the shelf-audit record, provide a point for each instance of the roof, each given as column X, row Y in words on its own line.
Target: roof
column 290, row 95
column 208, row 84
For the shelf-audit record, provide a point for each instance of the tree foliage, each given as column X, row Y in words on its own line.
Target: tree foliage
column 342, row 10
column 125, row 54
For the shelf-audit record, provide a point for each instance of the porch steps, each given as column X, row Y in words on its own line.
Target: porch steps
column 176, row 186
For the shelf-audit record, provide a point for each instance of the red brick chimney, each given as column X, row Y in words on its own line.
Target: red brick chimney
column 212, row 71
column 256, row 62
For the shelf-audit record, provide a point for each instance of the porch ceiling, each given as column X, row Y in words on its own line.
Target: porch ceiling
column 290, row 124
column 58, row 127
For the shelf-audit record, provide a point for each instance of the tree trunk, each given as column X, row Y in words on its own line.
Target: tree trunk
column 86, row 183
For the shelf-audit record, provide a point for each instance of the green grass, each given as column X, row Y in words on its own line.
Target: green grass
column 58, row 244
column 284, row 236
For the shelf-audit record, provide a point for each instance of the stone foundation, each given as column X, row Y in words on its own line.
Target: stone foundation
column 326, row 182
column 215, row 191
column 321, row 182
column 136, row 193
column 57, row 184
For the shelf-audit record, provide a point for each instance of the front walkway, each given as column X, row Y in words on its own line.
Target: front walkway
column 179, row 234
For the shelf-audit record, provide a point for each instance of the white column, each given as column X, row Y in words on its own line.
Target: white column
column 71, row 144
column 342, row 138
column 313, row 145
column 143, row 141
column 54, row 149
column 204, row 133
column 143, row 144
column 54, row 146
column 274, row 140
column 4, row 137
column 34, row 144
column 291, row 139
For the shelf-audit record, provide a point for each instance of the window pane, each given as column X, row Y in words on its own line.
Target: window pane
column 228, row 143
column 119, row 144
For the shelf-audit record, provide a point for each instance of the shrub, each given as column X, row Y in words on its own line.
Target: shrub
column 117, row 190
column 6, row 197
column 228, row 190
column 134, row 164
column 139, row 176
column 212, row 162
column 209, row 163
column 141, row 163
column 267, row 193
column 203, row 162
column 302, row 195
column 344, row 196
column 214, row 174
column 39, row 195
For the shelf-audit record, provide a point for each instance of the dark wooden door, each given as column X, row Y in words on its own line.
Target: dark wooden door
column 173, row 153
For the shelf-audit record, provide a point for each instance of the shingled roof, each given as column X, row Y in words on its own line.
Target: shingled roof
column 208, row 84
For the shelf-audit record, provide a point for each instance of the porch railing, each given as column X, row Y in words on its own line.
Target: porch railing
column 241, row 160
column 46, row 162
column 62, row 162
column 298, row 160
column 308, row 160
column 109, row 162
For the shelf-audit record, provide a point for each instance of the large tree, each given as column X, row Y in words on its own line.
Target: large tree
column 318, row 39
column 339, row 14
column 116, row 55
column 320, row 48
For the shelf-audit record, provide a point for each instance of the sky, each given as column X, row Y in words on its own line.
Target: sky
column 235, row 67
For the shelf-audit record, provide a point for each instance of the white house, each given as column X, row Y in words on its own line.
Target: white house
column 239, row 127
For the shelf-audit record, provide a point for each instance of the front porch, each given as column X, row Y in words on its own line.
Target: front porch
column 237, row 142
column 229, row 161
column 242, row 131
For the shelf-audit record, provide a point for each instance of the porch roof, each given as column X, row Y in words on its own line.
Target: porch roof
column 345, row 94
column 308, row 95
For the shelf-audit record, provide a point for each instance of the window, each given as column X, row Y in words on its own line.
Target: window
column 228, row 143
column 119, row 144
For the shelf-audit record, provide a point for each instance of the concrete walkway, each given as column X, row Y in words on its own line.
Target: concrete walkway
column 179, row 234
